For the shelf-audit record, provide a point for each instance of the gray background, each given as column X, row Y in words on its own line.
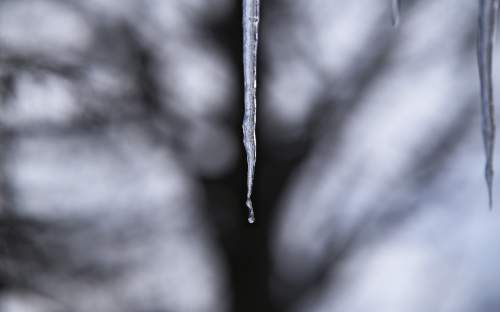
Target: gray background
column 122, row 173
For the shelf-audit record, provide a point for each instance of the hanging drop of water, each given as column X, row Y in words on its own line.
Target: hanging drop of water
column 250, row 44
column 485, row 41
column 395, row 13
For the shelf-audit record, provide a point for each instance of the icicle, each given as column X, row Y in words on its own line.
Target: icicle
column 486, row 36
column 250, row 43
column 395, row 13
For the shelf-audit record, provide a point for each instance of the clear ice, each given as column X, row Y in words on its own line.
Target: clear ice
column 250, row 44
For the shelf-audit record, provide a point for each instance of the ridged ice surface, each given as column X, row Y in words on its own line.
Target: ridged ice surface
column 486, row 36
column 250, row 43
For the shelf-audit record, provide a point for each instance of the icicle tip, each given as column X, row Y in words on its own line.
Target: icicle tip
column 251, row 215
column 489, row 182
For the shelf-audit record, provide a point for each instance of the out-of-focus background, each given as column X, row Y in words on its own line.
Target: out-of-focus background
column 122, row 172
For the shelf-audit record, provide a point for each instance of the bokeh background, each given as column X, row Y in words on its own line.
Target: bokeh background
column 122, row 172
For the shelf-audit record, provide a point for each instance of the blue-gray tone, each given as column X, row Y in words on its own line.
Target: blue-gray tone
column 488, row 10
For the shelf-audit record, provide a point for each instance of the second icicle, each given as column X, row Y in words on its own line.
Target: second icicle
column 250, row 44
column 486, row 37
